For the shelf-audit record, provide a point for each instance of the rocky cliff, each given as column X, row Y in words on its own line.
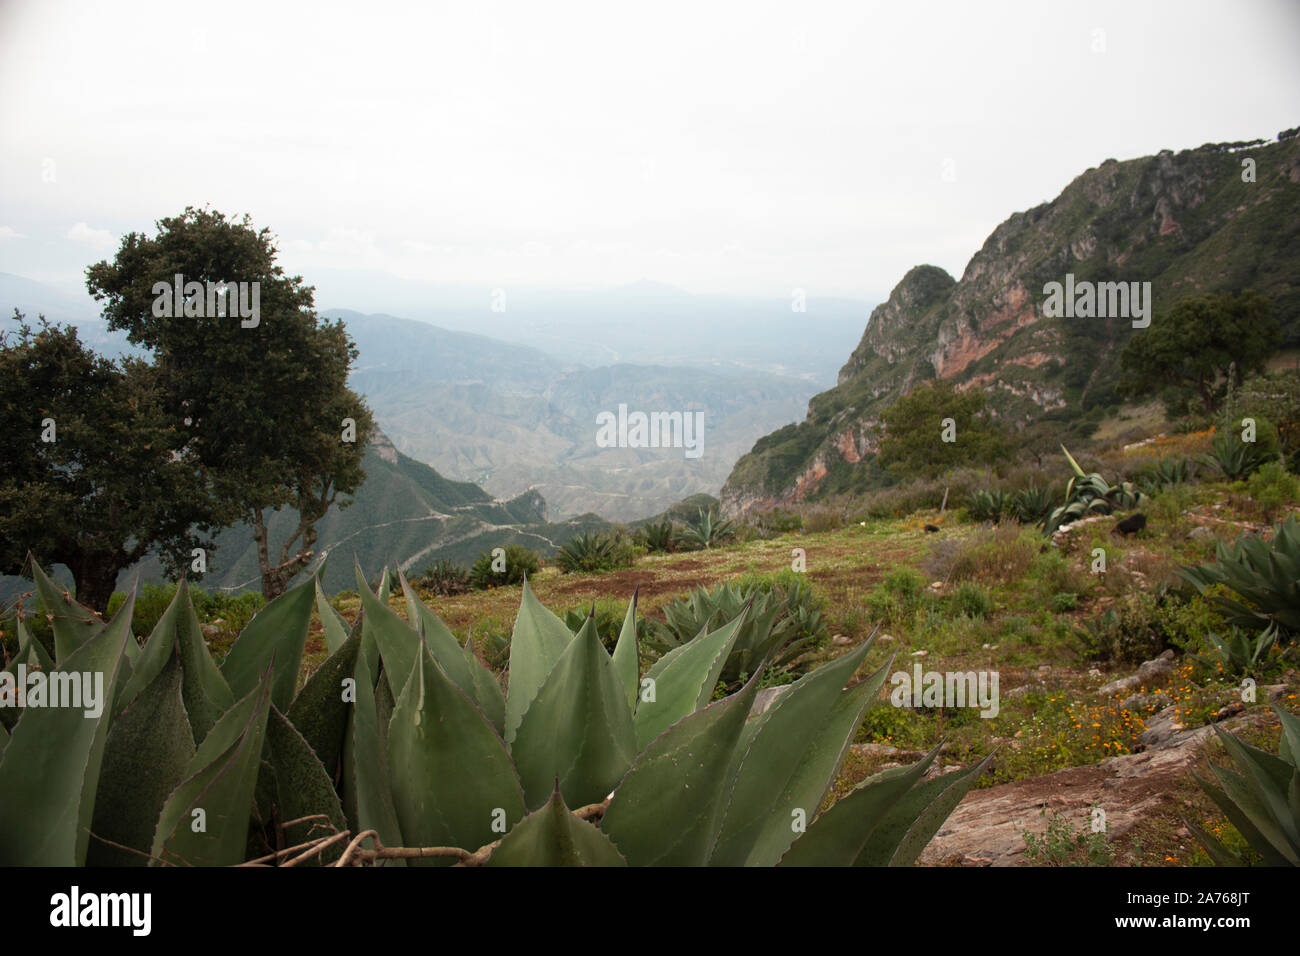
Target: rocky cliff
column 1189, row 222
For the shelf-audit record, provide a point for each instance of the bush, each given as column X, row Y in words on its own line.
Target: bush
column 822, row 519
column 778, row 521
column 1273, row 487
column 234, row 611
column 1141, row 626
column 518, row 561
column 970, row 600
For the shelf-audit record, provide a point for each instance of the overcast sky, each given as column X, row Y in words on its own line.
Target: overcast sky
column 722, row 147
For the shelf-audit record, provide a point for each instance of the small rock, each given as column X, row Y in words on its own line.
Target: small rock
column 1200, row 533
column 841, row 640
column 1044, row 670
column 1156, row 672
column 886, row 637
column 1147, row 702
column 1160, row 729
column 209, row 630
column 1124, row 685
column 1225, row 712
column 936, row 585
column 920, row 653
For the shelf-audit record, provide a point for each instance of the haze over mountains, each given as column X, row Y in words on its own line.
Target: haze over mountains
column 520, row 415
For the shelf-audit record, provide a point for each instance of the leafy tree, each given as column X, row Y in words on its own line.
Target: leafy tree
column 915, row 431
column 1276, row 395
column 1200, row 344
column 264, row 407
column 90, row 477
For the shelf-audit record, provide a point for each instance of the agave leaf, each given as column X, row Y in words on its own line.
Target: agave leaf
column 1289, row 744
column 792, row 761
column 467, row 671
column 552, row 836
column 538, row 641
column 487, row 691
column 398, row 643
column 220, row 780
column 150, row 744
column 72, row 624
column 31, row 651
column 367, row 792
column 1242, row 821
column 155, row 654
column 1073, row 464
column 683, row 680
column 838, row 836
column 1217, row 852
column 332, row 623
column 450, row 772
column 278, row 632
column 668, row 809
column 319, row 712
column 626, row 659
column 383, row 592
column 1260, row 795
column 578, row 729
column 4, row 737
column 49, row 770
column 913, row 821
column 302, row 786
column 206, row 693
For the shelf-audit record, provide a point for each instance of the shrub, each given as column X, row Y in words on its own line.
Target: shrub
column 970, row 600
column 490, row 571
column 1272, row 487
column 1143, row 625
column 822, row 519
column 778, row 521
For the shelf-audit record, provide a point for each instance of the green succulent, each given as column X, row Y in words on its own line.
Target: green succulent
column 1264, row 577
column 402, row 748
column 1090, row 494
column 594, row 552
column 1258, row 796
column 781, row 624
column 706, row 530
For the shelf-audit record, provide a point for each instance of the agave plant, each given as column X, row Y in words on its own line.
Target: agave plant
column 779, row 625
column 1259, row 797
column 1164, row 474
column 1091, row 494
column 707, row 530
column 444, row 577
column 659, row 537
column 1235, row 459
column 1264, row 576
column 991, row 506
column 1031, row 505
column 404, row 749
column 1239, row 652
column 592, row 552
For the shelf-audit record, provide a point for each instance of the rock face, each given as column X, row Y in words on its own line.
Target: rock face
column 1184, row 222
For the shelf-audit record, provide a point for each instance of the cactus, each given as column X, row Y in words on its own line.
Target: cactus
column 403, row 748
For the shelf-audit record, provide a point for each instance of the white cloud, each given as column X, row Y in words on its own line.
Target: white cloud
column 8, row 233
column 95, row 238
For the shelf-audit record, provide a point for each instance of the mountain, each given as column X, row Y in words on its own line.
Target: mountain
column 640, row 323
column 512, row 418
column 1186, row 222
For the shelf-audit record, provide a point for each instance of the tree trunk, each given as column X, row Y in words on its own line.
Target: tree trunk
column 95, row 579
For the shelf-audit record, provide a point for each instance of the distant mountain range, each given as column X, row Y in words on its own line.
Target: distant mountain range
column 1189, row 223
column 512, row 418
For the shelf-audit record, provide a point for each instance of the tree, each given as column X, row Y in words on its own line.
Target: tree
column 90, row 476
column 254, row 380
column 936, row 428
column 1200, row 344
